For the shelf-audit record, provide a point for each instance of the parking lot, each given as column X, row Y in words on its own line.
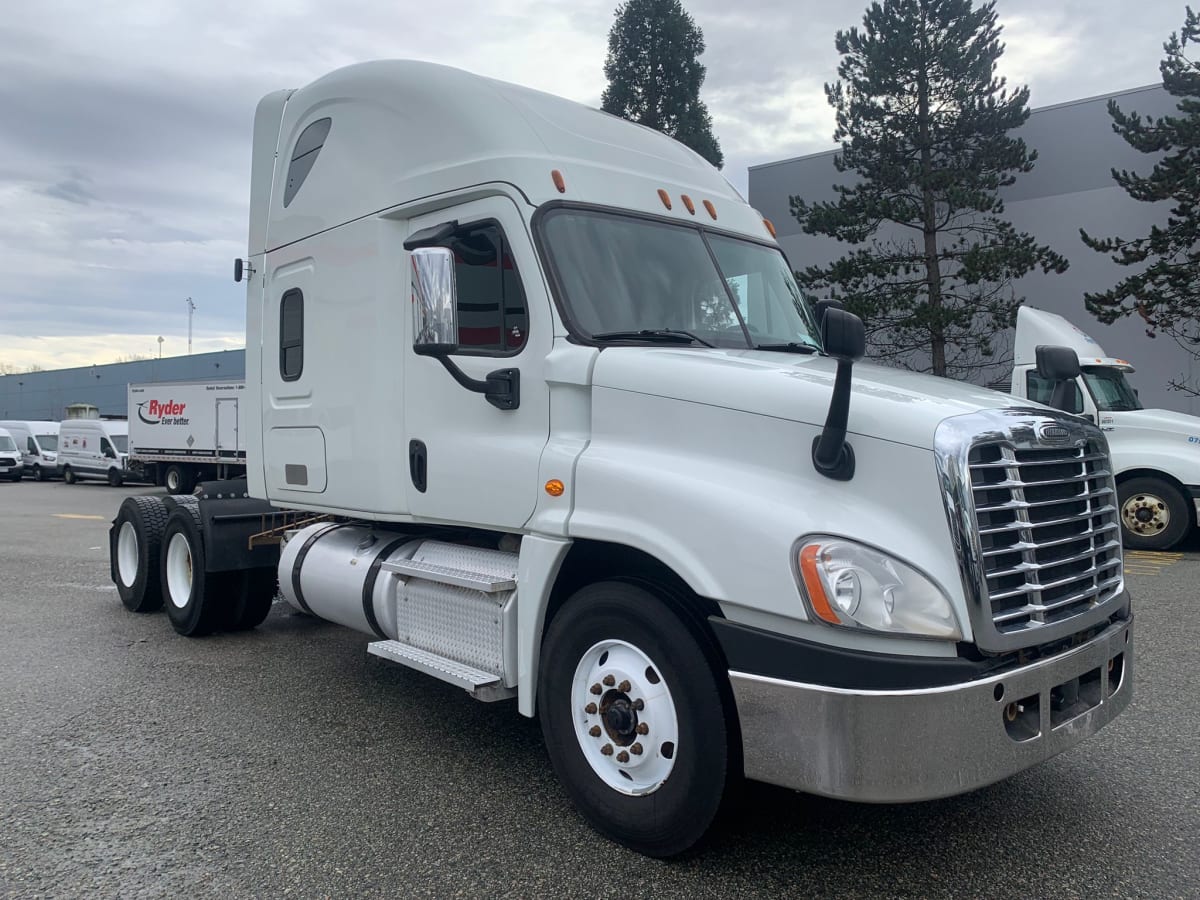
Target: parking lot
column 285, row 761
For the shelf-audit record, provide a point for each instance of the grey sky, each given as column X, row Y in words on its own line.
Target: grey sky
column 125, row 144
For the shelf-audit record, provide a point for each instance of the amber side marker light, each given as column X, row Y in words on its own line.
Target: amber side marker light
column 712, row 210
column 556, row 177
column 665, row 198
column 812, row 584
column 688, row 204
column 770, row 227
column 554, row 487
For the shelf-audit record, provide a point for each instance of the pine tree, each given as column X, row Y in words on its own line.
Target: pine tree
column 1166, row 293
column 923, row 122
column 654, row 73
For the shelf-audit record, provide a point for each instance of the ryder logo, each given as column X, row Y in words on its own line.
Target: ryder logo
column 155, row 412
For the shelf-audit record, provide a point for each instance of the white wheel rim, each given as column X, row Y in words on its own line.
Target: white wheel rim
column 127, row 554
column 630, row 712
column 1146, row 514
column 173, row 481
column 179, row 570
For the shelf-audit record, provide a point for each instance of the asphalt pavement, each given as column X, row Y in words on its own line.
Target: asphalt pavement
column 287, row 762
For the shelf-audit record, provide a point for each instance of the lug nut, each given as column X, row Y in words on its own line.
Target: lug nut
column 609, row 680
column 596, row 689
column 639, row 704
column 622, row 757
column 636, row 749
column 606, row 749
column 590, row 709
column 624, row 687
column 594, row 731
column 642, row 728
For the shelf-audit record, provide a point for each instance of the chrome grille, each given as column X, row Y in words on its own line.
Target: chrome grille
column 1049, row 536
column 1032, row 507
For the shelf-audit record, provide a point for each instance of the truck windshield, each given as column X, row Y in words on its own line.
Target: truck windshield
column 624, row 278
column 121, row 442
column 6, row 443
column 47, row 441
column 1110, row 390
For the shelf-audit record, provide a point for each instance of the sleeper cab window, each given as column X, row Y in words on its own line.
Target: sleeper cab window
column 304, row 154
column 493, row 319
column 291, row 335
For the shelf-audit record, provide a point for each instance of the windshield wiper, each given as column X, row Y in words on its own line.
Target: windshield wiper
column 665, row 335
column 789, row 347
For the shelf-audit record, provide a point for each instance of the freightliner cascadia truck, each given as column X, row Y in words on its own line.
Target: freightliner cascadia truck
column 534, row 403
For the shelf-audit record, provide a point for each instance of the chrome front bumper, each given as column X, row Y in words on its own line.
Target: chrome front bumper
column 907, row 745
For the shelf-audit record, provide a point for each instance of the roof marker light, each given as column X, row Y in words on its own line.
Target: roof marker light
column 556, row 177
column 665, row 198
column 688, row 204
column 712, row 210
column 770, row 227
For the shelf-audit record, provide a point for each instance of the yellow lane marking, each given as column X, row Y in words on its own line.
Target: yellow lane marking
column 1149, row 562
column 77, row 516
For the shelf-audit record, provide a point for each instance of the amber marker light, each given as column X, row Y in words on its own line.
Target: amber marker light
column 812, row 584
column 770, row 227
column 665, row 198
column 556, row 177
column 554, row 487
column 688, row 204
column 712, row 210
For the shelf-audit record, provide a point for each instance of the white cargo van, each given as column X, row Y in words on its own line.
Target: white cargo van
column 93, row 448
column 1155, row 452
column 38, row 443
column 534, row 402
column 10, row 457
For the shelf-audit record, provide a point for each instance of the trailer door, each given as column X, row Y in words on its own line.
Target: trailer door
column 227, row 427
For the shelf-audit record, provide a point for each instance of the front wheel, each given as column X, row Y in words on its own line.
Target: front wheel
column 114, row 478
column 1154, row 514
column 69, row 475
column 635, row 718
column 38, row 474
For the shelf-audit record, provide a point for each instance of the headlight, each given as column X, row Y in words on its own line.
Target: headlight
column 855, row 586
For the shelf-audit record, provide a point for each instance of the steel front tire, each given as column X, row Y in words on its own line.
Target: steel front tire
column 196, row 601
column 136, row 548
column 1154, row 514
column 687, row 752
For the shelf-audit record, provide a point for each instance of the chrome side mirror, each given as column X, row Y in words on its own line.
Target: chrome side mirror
column 434, row 302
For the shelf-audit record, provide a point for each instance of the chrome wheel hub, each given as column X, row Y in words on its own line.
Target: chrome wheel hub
column 1145, row 514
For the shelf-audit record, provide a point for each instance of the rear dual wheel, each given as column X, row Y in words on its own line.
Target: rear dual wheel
column 137, row 543
column 636, row 717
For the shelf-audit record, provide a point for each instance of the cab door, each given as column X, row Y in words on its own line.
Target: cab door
column 468, row 461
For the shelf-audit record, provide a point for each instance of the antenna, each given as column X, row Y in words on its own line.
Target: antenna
column 191, row 309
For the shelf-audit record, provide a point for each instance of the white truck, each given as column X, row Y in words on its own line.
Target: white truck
column 564, row 429
column 182, row 432
column 38, row 443
column 1155, row 452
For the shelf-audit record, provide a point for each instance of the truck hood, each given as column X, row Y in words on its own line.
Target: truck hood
column 885, row 403
column 1162, row 420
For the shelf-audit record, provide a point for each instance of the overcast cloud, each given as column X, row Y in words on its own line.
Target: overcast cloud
column 125, row 136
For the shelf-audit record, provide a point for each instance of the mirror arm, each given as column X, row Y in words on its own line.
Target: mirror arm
column 501, row 388
column 832, row 455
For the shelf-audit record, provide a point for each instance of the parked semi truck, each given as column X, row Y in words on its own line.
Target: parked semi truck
column 537, row 407
column 183, row 432
column 1155, row 452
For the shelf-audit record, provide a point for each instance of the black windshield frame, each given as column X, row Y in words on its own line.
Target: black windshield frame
column 558, row 291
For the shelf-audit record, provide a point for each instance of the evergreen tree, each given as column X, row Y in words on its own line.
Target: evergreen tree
column 1166, row 293
column 923, row 121
column 654, row 73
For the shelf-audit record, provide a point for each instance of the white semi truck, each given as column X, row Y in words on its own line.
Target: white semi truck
column 564, row 429
column 1155, row 452
column 183, row 432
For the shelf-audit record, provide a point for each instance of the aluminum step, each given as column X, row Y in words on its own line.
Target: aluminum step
column 476, row 581
column 479, row 684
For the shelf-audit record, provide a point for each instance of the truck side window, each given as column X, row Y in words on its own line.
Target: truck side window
column 291, row 335
column 492, row 316
column 1040, row 390
column 31, row 445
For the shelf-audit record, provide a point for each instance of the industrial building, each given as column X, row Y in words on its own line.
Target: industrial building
column 1070, row 187
column 46, row 395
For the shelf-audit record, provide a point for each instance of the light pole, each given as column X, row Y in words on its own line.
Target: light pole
column 160, row 340
column 191, row 309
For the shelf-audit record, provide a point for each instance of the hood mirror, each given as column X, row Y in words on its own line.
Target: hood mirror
column 844, row 339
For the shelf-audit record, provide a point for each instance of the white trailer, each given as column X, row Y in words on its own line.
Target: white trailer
column 567, row 431
column 1155, row 452
column 182, row 432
